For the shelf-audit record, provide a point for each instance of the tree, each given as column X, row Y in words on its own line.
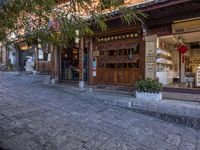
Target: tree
column 56, row 21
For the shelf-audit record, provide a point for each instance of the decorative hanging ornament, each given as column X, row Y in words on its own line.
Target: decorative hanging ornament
column 183, row 49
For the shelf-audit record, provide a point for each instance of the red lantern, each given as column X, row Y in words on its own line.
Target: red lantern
column 182, row 49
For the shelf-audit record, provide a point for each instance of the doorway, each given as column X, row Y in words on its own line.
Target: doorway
column 70, row 64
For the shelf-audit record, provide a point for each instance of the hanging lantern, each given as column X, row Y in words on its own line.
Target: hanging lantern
column 77, row 40
column 183, row 49
column 77, row 32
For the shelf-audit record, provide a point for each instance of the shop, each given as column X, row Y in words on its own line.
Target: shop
column 26, row 57
column 178, row 55
column 70, row 68
column 118, row 56
column 176, row 62
column 43, row 58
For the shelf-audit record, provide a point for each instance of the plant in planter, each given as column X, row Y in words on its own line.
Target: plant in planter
column 148, row 89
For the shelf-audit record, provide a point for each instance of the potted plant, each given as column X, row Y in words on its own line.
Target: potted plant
column 148, row 89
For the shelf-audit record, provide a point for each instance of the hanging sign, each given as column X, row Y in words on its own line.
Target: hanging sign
column 80, row 64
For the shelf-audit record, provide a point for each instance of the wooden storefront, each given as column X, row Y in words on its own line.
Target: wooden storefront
column 120, row 56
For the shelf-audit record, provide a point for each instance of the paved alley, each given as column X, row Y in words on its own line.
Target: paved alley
column 36, row 116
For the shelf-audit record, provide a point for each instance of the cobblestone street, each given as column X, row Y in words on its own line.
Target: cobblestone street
column 35, row 116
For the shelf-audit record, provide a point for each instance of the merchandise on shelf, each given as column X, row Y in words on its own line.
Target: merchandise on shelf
column 198, row 77
column 164, row 64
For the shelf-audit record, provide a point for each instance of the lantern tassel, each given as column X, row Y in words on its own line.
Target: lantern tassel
column 183, row 58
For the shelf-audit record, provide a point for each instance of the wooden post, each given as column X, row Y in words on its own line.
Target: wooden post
column 36, row 59
column 142, row 59
column 81, row 63
column 56, row 65
column 52, row 62
column 90, row 81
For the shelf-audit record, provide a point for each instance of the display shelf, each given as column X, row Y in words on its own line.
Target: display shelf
column 198, row 77
column 163, row 52
column 163, row 60
column 164, row 65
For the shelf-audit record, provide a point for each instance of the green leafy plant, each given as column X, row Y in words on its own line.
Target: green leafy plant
column 29, row 19
column 148, row 85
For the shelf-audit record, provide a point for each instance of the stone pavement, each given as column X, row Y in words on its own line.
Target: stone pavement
column 181, row 112
column 36, row 116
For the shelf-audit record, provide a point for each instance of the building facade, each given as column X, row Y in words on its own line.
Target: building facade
column 125, row 54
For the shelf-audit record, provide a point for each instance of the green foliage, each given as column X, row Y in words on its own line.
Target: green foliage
column 16, row 15
column 148, row 85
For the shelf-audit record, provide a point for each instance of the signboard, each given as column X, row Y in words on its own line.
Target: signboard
column 150, row 70
column 185, row 26
column 150, row 56
column 80, row 64
column 150, row 49
column 95, row 53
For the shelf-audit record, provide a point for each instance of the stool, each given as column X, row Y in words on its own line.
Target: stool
column 189, row 81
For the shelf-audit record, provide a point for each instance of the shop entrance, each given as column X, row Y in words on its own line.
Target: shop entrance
column 70, row 64
column 178, row 60
column 24, row 55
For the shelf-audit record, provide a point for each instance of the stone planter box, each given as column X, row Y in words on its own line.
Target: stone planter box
column 148, row 96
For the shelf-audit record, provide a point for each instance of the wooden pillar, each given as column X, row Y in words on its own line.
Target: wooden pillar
column 36, row 59
column 56, row 63
column 52, row 71
column 81, row 63
column 90, row 81
column 142, row 59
